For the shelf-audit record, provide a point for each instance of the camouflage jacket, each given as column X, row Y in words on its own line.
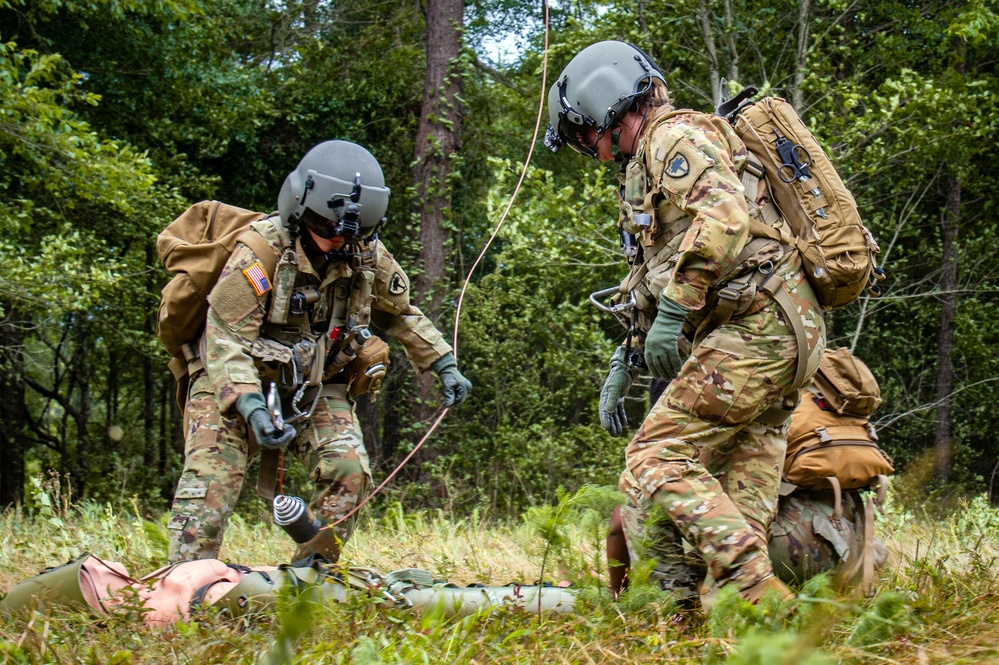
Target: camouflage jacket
column 684, row 199
column 249, row 336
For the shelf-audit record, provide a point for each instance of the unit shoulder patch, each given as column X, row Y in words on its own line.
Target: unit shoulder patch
column 258, row 278
column 677, row 165
column 398, row 284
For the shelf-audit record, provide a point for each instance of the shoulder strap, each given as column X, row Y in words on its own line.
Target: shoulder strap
column 262, row 249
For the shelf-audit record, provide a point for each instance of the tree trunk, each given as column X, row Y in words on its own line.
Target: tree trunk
column 945, row 340
column 801, row 55
column 733, row 53
column 437, row 140
column 81, row 418
column 13, row 410
column 149, row 449
column 712, row 52
column 950, row 222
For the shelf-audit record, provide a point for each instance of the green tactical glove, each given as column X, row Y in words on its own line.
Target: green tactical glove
column 454, row 386
column 618, row 382
column 662, row 353
column 258, row 418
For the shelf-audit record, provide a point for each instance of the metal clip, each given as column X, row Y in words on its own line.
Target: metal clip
column 274, row 407
column 298, row 414
column 612, row 309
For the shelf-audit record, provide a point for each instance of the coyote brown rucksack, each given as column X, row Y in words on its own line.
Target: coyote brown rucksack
column 827, row 447
column 833, row 455
column 195, row 247
column 837, row 249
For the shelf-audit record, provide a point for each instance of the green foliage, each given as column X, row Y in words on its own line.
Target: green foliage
column 887, row 617
column 764, row 648
column 952, row 623
column 118, row 113
column 586, row 510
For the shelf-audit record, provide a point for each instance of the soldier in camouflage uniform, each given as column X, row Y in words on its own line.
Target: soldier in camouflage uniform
column 333, row 278
column 727, row 318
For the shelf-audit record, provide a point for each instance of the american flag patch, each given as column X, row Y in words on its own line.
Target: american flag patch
column 258, row 279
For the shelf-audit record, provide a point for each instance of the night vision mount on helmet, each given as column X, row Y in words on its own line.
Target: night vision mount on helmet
column 595, row 89
column 342, row 186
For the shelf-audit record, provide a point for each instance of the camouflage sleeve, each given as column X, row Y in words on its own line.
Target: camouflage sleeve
column 237, row 306
column 392, row 312
column 696, row 164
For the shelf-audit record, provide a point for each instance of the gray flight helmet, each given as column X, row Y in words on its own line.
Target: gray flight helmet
column 595, row 89
column 343, row 184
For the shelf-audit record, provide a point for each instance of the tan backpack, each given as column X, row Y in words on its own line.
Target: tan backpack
column 832, row 453
column 826, row 450
column 195, row 247
column 837, row 249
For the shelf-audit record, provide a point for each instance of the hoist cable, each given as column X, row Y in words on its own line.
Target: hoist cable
column 468, row 277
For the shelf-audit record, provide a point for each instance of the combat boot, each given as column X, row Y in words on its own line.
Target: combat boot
column 769, row 585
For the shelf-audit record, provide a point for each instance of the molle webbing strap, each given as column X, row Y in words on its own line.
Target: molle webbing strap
column 727, row 302
column 635, row 276
column 178, row 367
column 263, row 250
column 751, row 175
column 867, row 554
column 776, row 287
column 882, row 490
column 270, row 460
column 837, row 501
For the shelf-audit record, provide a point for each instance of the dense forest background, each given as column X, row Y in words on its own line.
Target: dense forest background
column 118, row 114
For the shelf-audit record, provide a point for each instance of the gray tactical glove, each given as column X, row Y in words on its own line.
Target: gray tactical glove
column 454, row 386
column 662, row 353
column 616, row 386
column 254, row 410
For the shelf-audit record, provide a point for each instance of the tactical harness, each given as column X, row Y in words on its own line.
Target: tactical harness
column 295, row 356
column 660, row 228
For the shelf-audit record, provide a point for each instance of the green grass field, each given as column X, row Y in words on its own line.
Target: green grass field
column 938, row 598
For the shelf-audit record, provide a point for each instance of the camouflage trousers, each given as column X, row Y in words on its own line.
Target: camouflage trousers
column 218, row 452
column 711, row 451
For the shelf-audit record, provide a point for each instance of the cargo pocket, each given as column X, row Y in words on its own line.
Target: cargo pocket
column 188, row 502
column 725, row 387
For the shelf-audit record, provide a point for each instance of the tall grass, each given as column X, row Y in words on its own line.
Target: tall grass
column 938, row 600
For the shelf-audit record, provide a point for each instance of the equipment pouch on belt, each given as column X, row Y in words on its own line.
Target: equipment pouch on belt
column 365, row 372
column 288, row 366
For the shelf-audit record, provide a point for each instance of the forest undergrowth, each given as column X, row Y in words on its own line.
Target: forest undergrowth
column 938, row 599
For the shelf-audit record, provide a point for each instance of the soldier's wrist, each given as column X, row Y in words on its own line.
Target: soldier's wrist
column 446, row 361
column 247, row 403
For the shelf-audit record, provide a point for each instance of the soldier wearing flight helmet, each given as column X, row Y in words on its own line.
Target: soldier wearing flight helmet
column 724, row 317
column 294, row 335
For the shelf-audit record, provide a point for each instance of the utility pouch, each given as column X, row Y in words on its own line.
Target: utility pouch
column 288, row 366
column 284, row 283
column 365, row 372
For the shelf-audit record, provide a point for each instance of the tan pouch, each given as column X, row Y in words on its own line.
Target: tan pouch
column 822, row 445
column 365, row 372
column 847, row 384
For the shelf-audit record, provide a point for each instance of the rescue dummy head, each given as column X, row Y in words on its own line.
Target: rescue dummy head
column 595, row 91
column 336, row 191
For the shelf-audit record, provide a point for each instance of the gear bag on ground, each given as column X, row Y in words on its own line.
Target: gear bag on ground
column 824, row 521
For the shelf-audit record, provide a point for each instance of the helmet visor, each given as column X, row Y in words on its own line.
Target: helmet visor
column 577, row 139
column 341, row 205
column 322, row 227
